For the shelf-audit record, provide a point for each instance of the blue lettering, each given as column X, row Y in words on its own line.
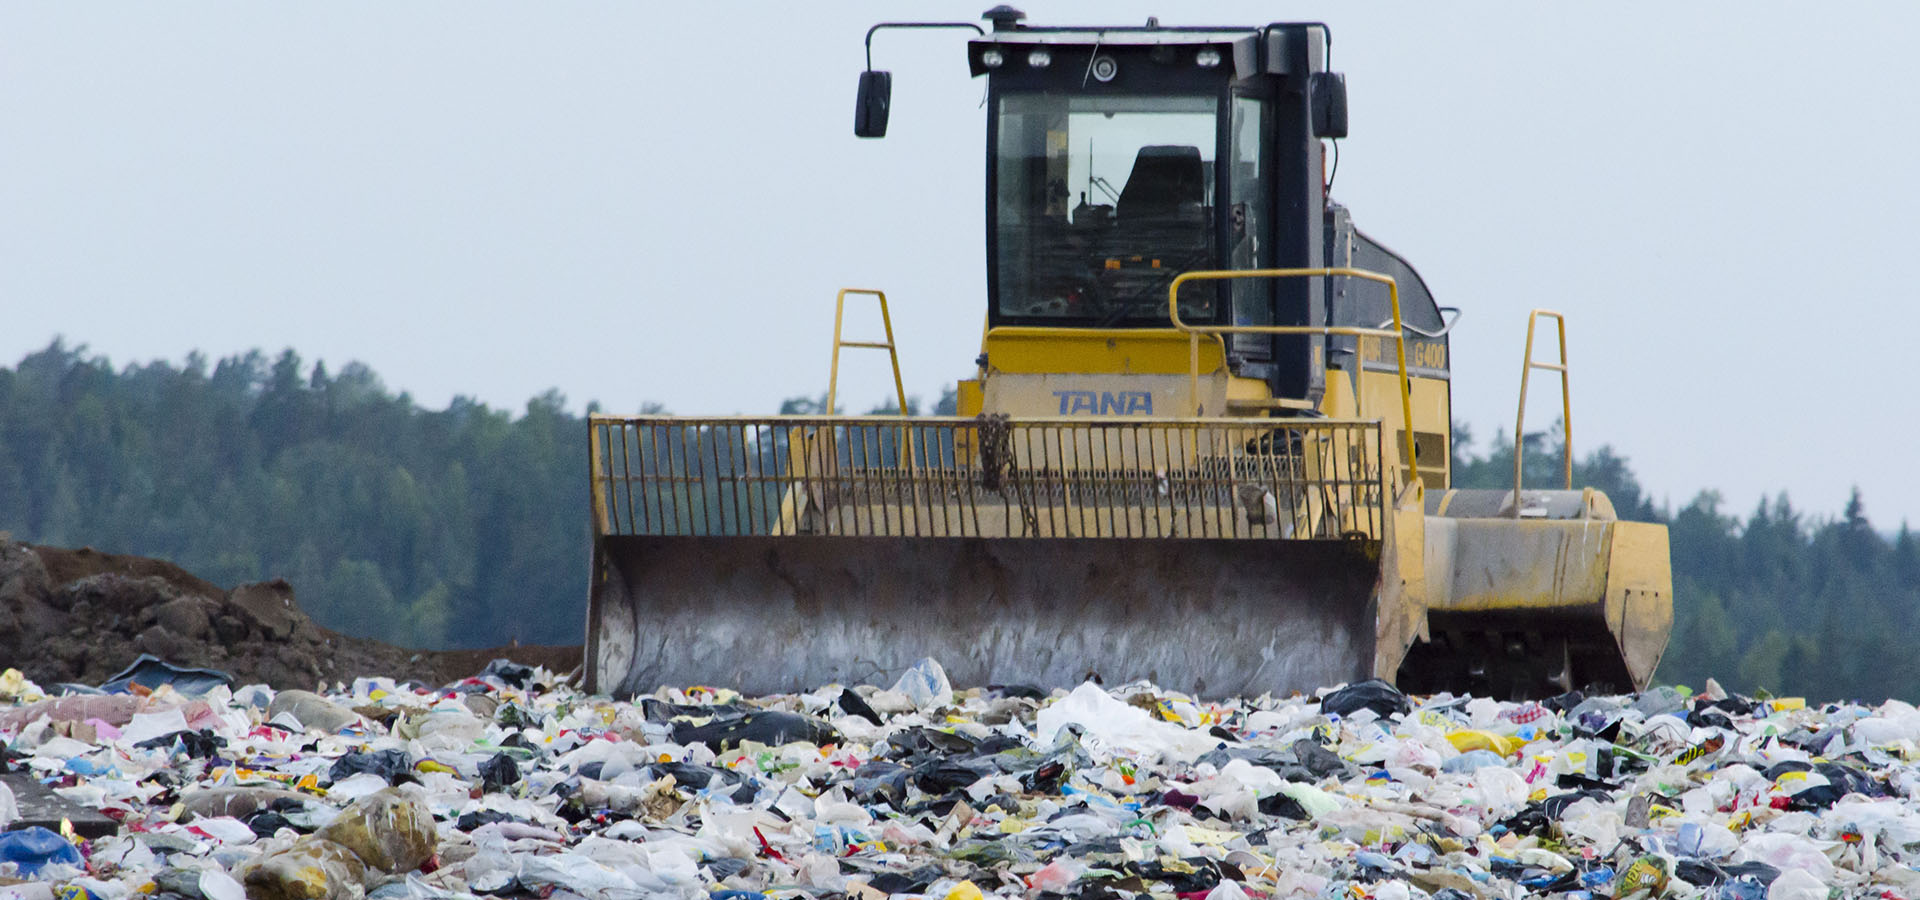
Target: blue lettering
column 1105, row 403
column 1075, row 401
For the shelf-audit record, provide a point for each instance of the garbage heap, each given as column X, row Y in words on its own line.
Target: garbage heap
column 511, row 783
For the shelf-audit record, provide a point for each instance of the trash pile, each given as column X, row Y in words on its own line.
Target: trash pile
column 512, row 783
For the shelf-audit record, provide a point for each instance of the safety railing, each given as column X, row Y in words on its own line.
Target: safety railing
column 1566, row 403
column 987, row 477
column 1398, row 336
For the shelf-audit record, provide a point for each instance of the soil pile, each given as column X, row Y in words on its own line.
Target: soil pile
column 81, row 615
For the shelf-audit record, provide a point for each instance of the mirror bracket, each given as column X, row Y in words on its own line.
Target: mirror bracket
column 876, row 87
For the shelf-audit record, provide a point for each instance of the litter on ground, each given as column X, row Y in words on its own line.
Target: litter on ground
column 512, row 783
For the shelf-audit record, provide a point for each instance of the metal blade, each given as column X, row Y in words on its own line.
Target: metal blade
column 768, row 614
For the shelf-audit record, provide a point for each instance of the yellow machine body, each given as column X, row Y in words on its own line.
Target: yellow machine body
column 1068, row 523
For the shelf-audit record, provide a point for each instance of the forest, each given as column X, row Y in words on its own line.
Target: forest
column 467, row 526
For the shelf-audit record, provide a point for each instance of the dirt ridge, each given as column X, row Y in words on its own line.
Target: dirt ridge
column 80, row 615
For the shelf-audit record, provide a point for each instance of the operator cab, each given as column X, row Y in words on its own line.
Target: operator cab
column 1120, row 157
column 1105, row 177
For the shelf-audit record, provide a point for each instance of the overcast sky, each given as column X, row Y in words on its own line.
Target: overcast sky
column 656, row 202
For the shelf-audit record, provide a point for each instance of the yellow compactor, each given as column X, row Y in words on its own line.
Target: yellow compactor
column 1205, row 443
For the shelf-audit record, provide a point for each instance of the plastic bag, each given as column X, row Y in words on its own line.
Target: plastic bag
column 1497, row 789
column 1373, row 694
column 1057, row 875
column 388, row 764
column 925, row 684
column 1118, row 724
column 389, row 831
column 147, row 726
column 1788, row 851
column 215, row 884
column 1473, row 761
column 1797, row 884
column 312, row 868
column 577, row 873
column 311, row 711
column 499, row 774
column 33, row 849
column 1312, row 799
column 149, row 671
column 770, row 727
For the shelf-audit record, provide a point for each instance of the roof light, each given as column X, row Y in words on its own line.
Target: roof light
column 1039, row 59
column 992, row 58
column 1207, row 58
column 1104, row 69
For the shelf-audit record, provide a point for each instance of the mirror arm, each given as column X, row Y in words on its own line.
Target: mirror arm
column 977, row 30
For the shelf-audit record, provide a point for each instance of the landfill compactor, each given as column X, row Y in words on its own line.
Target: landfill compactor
column 1206, row 441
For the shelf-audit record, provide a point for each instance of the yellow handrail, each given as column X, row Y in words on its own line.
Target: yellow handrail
column 1566, row 401
column 905, row 445
column 1397, row 334
column 886, row 322
column 594, row 479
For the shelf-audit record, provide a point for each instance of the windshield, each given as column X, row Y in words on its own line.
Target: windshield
column 1100, row 201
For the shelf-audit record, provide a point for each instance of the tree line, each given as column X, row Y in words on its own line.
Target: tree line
column 456, row 527
column 467, row 526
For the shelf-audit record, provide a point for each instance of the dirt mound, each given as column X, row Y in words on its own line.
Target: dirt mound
column 68, row 566
column 82, row 615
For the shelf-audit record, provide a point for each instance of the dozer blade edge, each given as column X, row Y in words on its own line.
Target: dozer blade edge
column 773, row 614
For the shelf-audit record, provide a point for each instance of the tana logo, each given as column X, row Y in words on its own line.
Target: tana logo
column 1105, row 403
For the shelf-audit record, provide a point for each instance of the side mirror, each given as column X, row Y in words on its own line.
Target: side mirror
column 1327, row 94
column 870, row 109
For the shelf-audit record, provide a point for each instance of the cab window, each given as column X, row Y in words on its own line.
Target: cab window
column 1099, row 202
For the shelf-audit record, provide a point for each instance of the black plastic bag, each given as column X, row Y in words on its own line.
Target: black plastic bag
column 499, row 774
column 1372, row 694
column 388, row 764
column 508, row 672
column 854, row 705
column 770, row 727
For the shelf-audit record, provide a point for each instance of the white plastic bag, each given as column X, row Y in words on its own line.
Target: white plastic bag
column 926, row 684
column 1788, row 851
column 1797, row 884
column 1116, row 724
column 1497, row 789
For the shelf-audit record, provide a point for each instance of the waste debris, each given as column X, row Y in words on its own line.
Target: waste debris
column 512, row 782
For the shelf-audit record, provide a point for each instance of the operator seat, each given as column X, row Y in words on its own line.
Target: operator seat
column 1167, row 180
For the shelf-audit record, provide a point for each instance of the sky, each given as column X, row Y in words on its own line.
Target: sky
column 655, row 203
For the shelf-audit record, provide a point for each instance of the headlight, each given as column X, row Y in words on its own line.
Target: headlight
column 1207, row 59
column 1039, row 59
column 992, row 58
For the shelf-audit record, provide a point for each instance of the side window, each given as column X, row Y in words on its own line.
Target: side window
column 1250, row 234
